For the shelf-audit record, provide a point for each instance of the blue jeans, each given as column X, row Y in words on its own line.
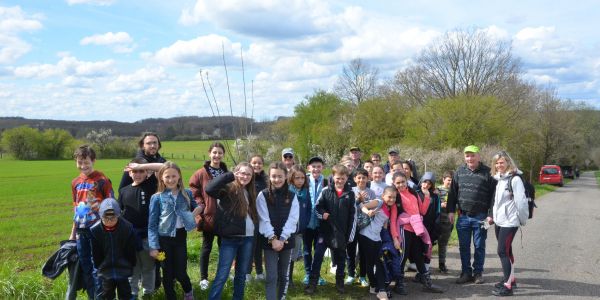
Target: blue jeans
column 309, row 241
column 240, row 249
column 467, row 227
column 90, row 274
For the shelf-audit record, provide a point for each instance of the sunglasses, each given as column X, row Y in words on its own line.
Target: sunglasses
column 288, row 156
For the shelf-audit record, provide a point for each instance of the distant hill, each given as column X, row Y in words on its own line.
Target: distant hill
column 179, row 128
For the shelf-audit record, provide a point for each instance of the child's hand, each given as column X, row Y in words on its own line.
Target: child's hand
column 277, row 245
column 443, row 204
column 425, row 192
column 396, row 243
column 372, row 212
column 131, row 167
column 154, row 253
column 325, row 216
column 197, row 211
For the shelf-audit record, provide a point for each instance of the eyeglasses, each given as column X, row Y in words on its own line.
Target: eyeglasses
column 109, row 218
column 287, row 156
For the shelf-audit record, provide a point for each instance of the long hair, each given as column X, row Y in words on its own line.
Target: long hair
column 144, row 135
column 239, row 207
column 297, row 169
column 271, row 195
column 161, row 185
column 511, row 166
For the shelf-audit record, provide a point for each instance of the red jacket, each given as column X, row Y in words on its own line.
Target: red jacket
column 198, row 183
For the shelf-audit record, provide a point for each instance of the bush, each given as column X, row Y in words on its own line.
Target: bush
column 28, row 143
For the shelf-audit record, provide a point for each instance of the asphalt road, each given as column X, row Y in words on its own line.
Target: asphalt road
column 556, row 257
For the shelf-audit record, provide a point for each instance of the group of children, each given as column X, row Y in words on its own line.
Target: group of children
column 281, row 214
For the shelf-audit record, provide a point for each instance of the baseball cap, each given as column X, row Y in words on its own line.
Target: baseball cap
column 287, row 151
column 315, row 159
column 471, row 148
column 354, row 148
column 110, row 204
column 393, row 151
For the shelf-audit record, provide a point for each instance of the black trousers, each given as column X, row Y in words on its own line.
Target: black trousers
column 108, row 289
column 207, row 243
column 415, row 250
column 175, row 264
column 373, row 263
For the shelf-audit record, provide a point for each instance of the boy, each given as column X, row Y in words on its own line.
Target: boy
column 113, row 249
column 396, row 167
column 362, row 194
column 335, row 210
column 88, row 190
column 134, row 200
column 316, row 183
column 445, row 225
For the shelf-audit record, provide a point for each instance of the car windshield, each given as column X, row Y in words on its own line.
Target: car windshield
column 551, row 171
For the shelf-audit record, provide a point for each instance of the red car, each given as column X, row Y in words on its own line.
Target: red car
column 551, row 174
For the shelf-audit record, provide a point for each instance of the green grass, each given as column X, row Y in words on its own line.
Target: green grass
column 36, row 212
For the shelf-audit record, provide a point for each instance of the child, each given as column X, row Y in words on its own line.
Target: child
column 395, row 168
column 445, row 225
column 369, row 241
column 113, row 249
column 88, row 190
column 170, row 218
column 211, row 169
column 298, row 184
column 260, row 182
column 278, row 212
column 377, row 184
column 391, row 247
column 234, row 223
column 316, row 184
column 415, row 234
column 408, row 171
column 362, row 194
column 368, row 165
column 336, row 211
column 431, row 219
column 134, row 201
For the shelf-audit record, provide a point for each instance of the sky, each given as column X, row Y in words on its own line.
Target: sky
column 131, row 60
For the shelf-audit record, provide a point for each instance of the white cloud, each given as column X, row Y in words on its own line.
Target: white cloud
column 13, row 21
column 140, row 80
column 542, row 46
column 92, row 2
column 203, row 51
column 66, row 66
column 119, row 42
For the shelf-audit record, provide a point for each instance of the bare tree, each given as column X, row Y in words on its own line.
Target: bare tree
column 357, row 82
column 462, row 62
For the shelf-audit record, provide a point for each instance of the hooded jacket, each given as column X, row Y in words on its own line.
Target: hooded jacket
column 340, row 226
column 114, row 251
column 510, row 211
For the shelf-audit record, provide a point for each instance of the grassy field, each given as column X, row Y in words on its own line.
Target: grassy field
column 36, row 212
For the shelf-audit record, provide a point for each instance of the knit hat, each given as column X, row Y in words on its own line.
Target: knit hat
column 110, row 204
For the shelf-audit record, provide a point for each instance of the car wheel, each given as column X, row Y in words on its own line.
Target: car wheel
column 560, row 184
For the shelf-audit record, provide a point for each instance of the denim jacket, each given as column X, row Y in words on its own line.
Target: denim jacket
column 164, row 210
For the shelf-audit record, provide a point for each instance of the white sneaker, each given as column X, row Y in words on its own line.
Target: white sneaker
column 204, row 284
column 372, row 290
column 382, row 296
column 260, row 277
column 349, row 280
column 248, row 277
column 412, row 267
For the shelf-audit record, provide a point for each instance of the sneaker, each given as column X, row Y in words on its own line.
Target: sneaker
column 478, row 279
column 400, row 289
column 322, row 281
column 305, row 280
column 417, row 278
column 464, row 278
column 372, row 290
column 443, row 268
column 262, row 277
column 204, row 284
column 382, row 295
column 248, row 278
column 363, row 282
column 189, row 295
column 333, row 270
column 501, row 284
column 349, row 280
column 412, row 267
column 502, row 291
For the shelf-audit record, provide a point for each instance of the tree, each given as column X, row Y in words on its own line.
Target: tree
column 378, row 123
column 462, row 62
column 22, row 142
column 358, row 81
column 55, row 144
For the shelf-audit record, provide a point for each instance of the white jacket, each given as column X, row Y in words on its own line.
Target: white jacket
column 510, row 212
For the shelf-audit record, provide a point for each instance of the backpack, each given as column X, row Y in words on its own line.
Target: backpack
column 529, row 193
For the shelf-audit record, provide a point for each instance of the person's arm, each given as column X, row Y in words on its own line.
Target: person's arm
column 264, row 226
column 351, row 222
column 217, row 184
column 149, row 166
column 321, row 210
column 492, row 189
column 424, row 205
column 520, row 199
column 452, row 197
column 73, row 234
column 292, row 222
column 153, row 219
column 107, row 190
column 97, row 250
column 196, row 187
column 125, row 180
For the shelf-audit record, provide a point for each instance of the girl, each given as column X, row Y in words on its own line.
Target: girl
column 235, row 220
column 278, row 213
column 260, row 182
column 510, row 212
column 415, row 234
column 170, row 218
column 431, row 219
column 378, row 183
column 211, row 169
column 298, row 184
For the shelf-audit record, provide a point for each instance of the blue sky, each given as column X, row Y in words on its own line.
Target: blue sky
column 130, row 60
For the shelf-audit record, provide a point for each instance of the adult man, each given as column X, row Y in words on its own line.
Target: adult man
column 472, row 189
column 393, row 157
column 355, row 155
column 287, row 158
column 149, row 144
column 376, row 159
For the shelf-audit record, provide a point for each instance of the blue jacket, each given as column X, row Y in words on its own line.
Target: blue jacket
column 164, row 210
column 314, row 188
column 305, row 207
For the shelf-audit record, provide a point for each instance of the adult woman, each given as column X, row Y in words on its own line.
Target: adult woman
column 235, row 220
column 510, row 212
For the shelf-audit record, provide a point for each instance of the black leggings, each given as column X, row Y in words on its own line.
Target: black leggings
column 415, row 250
column 373, row 263
column 207, row 243
column 175, row 264
column 505, row 236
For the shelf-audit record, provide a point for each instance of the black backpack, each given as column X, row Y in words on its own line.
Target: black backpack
column 529, row 193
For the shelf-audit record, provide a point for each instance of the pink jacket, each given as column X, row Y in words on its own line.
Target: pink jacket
column 416, row 222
